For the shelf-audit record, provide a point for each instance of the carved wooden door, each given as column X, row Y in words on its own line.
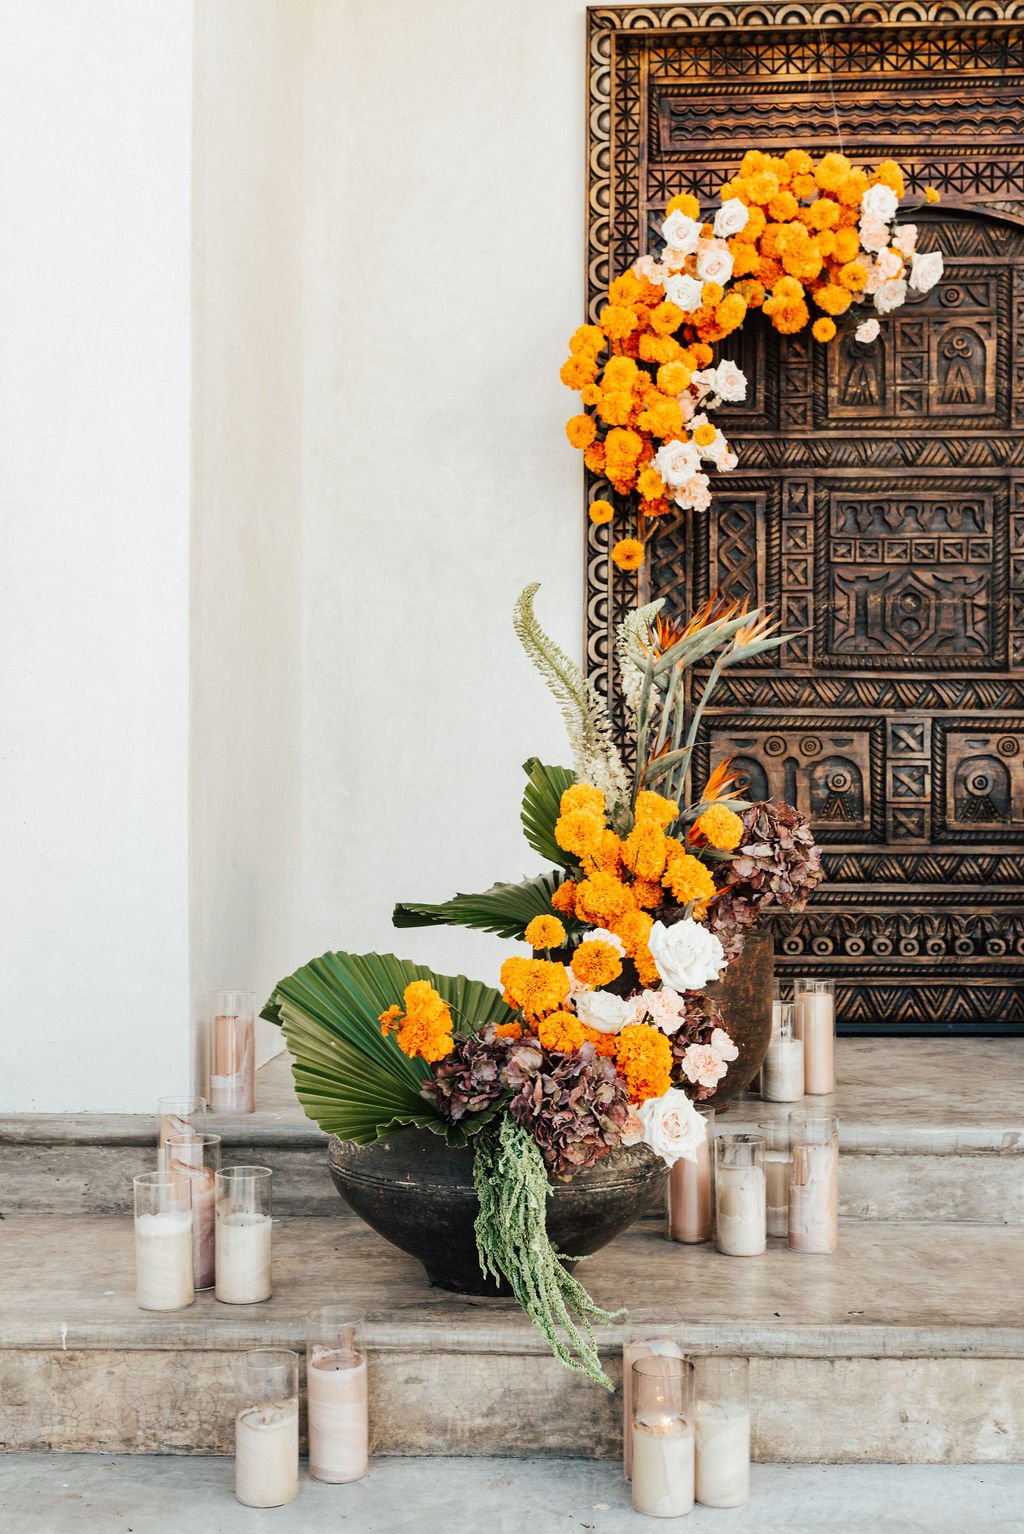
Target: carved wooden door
column 878, row 507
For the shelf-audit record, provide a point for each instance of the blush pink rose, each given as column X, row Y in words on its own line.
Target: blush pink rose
column 633, row 1129
column 874, row 235
column 703, row 1066
column 723, row 1045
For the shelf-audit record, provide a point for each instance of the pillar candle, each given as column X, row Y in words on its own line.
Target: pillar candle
column 650, row 1347
column 338, row 1427
column 663, row 1468
column 267, row 1454
column 740, row 1210
column 233, row 1065
column 689, row 1197
column 722, row 1453
column 204, row 1207
column 782, row 1080
column 777, row 1174
column 816, row 1025
column 814, row 1198
column 173, row 1127
column 163, row 1260
column 243, row 1257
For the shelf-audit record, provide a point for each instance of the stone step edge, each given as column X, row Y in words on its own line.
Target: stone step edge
column 754, row 1340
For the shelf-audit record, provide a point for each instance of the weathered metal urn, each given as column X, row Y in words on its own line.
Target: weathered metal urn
column 744, row 994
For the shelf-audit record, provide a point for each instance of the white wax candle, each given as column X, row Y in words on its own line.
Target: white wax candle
column 204, row 1205
column 233, row 1072
column 741, row 1211
column 723, row 1454
column 243, row 1258
column 782, row 1080
column 267, row 1454
column 689, row 1197
column 163, row 1260
column 648, row 1347
column 338, row 1425
column 663, row 1470
column 816, row 1025
column 777, row 1173
column 814, row 1198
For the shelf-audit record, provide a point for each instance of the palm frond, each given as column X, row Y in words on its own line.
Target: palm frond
column 504, row 909
column 541, row 807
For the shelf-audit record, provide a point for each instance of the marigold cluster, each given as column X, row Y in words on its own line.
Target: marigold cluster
column 534, row 987
column 720, row 827
column 643, row 1058
column 425, row 1027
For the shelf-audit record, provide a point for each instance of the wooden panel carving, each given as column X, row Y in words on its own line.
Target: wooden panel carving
column 879, row 503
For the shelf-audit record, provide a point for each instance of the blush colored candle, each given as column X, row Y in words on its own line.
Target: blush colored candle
column 633, row 1352
column 663, row 1437
column 814, row 1184
column 740, row 1196
column 267, row 1429
column 816, row 1027
column 198, row 1159
column 178, row 1118
column 163, row 1242
column 689, row 1191
column 232, row 1052
column 243, row 1235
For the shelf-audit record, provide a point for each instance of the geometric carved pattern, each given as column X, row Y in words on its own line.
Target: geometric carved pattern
column 878, row 506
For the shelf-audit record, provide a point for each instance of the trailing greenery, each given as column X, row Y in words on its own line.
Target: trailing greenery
column 348, row 1077
column 589, row 725
column 505, row 909
column 542, row 807
column 513, row 1243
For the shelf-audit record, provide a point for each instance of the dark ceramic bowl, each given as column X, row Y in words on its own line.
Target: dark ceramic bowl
column 419, row 1195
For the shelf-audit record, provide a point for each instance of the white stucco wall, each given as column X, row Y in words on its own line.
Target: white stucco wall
column 95, row 151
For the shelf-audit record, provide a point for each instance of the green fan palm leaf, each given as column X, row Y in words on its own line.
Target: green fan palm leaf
column 541, row 808
column 504, row 909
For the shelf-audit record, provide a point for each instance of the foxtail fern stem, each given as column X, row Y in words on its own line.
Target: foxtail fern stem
column 643, row 726
column 512, row 1239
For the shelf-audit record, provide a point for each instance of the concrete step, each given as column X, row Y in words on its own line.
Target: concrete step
column 52, row 1494
column 931, row 1129
column 906, row 1346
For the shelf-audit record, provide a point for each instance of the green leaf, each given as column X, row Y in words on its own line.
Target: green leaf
column 541, row 808
column 350, row 1079
column 505, row 909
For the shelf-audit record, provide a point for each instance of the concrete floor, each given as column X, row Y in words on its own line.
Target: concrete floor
column 135, row 1494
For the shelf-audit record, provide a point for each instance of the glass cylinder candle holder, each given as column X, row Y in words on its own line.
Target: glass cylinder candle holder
column 198, row 1159
column 740, row 1202
column 689, row 1190
column 663, row 1437
column 782, row 1075
column 232, row 1041
column 775, row 1134
column 646, row 1347
column 163, row 1241
column 178, row 1118
column 816, row 1028
column 337, row 1397
column 814, row 1182
column 267, row 1429
column 243, row 1240
column 722, row 1426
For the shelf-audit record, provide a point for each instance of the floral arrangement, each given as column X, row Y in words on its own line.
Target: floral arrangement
column 792, row 235
column 602, row 1036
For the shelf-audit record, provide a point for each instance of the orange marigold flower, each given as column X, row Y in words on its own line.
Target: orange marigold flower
column 634, row 928
column 826, row 243
column 594, row 457
column 731, row 312
column 792, row 318
column 564, row 898
column 625, row 290
column 601, row 899
column 534, row 987
column 823, row 329
column 586, row 340
column 666, row 318
column 832, row 170
column 617, row 322
column 751, row 291
column 576, row 373
column 643, row 1059
column 615, row 407
column 628, row 554
column 545, row 932
column 605, row 856
column 650, row 484
column 620, row 373
column 823, row 213
column 601, row 512
column 689, row 880
column 763, row 187
column 581, row 796
column 644, row 850
column 721, row 827
column 852, row 189
column 596, row 963
column 663, row 417
column 853, row 276
column 684, row 202
column 426, row 1027
column 673, row 378
column 648, row 893
column 832, row 298
column 804, row 186
column 580, row 430
column 931, row 195
column 560, row 1032
column 578, row 830
column 745, row 257
column 604, row 1043
column 659, row 348
column 783, row 206
column 755, row 225
column 508, row 1031
column 646, row 969
column 624, row 444
column 705, row 435
column 702, row 354
column 591, row 394
column 847, row 245
column 890, row 174
column 799, row 162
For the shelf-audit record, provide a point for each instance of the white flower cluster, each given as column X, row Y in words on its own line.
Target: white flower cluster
column 885, row 252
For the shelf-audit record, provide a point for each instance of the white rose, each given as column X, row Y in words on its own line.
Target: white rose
column 867, row 330
column 672, row 1126
column 890, row 295
column 889, row 264
column 714, row 262
column 716, row 451
column 677, row 462
column 647, row 267
column 684, row 291
column 730, row 382
column 731, row 217
column 881, row 201
column 723, row 1046
column 925, row 270
column 905, row 239
column 602, row 1010
column 687, row 956
column 874, row 235
column 602, row 935
column 680, row 232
